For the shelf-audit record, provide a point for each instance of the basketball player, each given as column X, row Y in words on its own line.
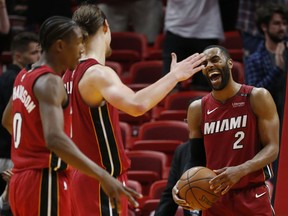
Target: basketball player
column 97, row 94
column 239, row 127
column 40, row 185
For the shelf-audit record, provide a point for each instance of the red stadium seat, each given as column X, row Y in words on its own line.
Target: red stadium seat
column 178, row 115
column 127, row 48
column 238, row 72
column 232, row 40
column 146, row 167
column 164, row 130
column 157, row 189
column 166, row 146
column 135, row 121
column 155, row 52
column 116, row 66
column 135, row 185
column 146, row 72
column 182, row 100
column 126, row 132
column 233, row 43
column 149, row 206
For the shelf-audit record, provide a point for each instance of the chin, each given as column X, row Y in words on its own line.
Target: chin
column 108, row 52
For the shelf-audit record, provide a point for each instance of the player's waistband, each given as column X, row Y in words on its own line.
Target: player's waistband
column 56, row 163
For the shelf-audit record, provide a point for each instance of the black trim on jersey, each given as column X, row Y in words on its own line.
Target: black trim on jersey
column 66, row 103
column 105, row 204
column 111, row 139
column 44, row 193
column 268, row 172
column 54, row 163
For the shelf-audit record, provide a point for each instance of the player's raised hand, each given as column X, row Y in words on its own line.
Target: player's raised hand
column 115, row 189
column 187, row 67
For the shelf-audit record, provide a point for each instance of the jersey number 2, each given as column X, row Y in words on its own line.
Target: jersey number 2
column 240, row 136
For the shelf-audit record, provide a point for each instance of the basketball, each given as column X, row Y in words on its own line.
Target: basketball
column 194, row 188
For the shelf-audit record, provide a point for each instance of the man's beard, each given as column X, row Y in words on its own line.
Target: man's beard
column 275, row 37
column 225, row 76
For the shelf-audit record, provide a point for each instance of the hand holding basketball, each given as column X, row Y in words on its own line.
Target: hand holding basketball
column 194, row 188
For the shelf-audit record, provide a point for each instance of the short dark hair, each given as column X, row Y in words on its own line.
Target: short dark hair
column 55, row 28
column 90, row 18
column 266, row 11
column 223, row 49
column 21, row 41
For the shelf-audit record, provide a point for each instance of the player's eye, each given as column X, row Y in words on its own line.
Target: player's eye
column 204, row 63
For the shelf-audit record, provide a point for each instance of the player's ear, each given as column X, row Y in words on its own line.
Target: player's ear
column 105, row 26
column 264, row 27
column 230, row 63
column 58, row 45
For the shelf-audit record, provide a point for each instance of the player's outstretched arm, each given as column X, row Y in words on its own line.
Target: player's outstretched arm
column 102, row 81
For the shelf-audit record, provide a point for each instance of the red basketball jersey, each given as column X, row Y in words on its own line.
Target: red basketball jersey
column 95, row 130
column 231, row 135
column 29, row 150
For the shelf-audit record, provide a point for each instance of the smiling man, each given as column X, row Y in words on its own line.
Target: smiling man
column 267, row 66
column 239, row 128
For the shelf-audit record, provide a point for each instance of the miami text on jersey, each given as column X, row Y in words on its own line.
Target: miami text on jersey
column 225, row 124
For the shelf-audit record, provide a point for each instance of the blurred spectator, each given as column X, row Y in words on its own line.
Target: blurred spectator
column 143, row 16
column 267, row 67
column 4, row 19
column 38, row 11
column 25, row 50
column 190, row 26
column 4, row 201
column 246, row 23
column 247, row 26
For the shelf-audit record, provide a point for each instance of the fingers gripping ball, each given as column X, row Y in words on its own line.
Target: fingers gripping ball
column 194, row 188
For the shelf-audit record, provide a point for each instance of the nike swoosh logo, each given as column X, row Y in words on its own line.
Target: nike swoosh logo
column 260, row 195
column 211, row 111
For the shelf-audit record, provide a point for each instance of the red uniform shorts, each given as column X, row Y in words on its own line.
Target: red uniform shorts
column 41, row 192
column 89, row 199
column 243, row 202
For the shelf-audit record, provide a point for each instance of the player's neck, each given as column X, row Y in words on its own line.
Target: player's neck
column 96, row 51
column 228, row 92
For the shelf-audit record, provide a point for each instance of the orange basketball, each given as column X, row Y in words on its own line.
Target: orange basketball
column 194, row 187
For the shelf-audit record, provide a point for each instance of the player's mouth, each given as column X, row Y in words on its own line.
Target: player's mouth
column 215, row 77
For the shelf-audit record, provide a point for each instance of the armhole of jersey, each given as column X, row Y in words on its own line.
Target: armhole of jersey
column 249, row 101
column 34, row 81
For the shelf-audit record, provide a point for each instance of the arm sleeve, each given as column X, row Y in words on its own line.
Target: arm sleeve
column 197, row 155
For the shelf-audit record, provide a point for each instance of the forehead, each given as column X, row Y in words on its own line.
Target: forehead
column 215, row 51
column 277, row 17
